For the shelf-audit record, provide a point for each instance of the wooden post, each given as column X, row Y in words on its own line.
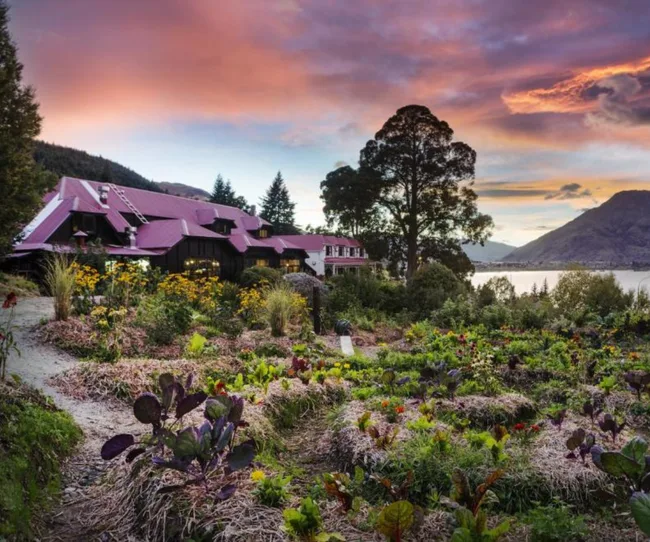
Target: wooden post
column 316, row 310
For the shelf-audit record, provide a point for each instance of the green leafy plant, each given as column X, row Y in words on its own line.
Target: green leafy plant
column 421, row 425
column 607, row 384
column 364, row 422
column 196, row 345
column 556, row 523
column 305, row 523
column 397, row 519
column 272, row 491
column 633, row 464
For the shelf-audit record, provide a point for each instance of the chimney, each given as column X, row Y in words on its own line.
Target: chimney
column 131, row 231
column 253, row 210
column 103, row 193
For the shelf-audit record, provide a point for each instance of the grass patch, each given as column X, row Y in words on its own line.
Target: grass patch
column 34, row 438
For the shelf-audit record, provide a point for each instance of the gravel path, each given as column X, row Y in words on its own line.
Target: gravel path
column 39, row 362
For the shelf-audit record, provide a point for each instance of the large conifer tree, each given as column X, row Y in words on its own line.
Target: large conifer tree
column 22, row 182
column 277, row 207
column 223, row 193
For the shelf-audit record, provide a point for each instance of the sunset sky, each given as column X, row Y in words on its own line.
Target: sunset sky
column 554, row 95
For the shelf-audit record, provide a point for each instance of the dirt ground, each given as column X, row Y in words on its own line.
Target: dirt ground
column 99, row 421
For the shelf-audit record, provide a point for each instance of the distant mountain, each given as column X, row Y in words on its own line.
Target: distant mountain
column 618, row 232
column 490, row 252
column 184, row 190
column 80, row 164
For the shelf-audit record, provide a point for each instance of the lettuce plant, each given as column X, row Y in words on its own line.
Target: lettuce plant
column 305, row 523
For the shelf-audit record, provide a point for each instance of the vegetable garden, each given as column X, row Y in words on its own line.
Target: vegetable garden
column 481, row 416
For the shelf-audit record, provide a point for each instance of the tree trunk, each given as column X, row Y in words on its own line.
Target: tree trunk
column 411, row 255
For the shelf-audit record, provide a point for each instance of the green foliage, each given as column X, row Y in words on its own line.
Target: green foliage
column 196, row 345
column 163, row 319
column 429, row 288
column 555, row 523
column 395, row 520
column 223, row 194
column 273, row 491
column 253, row 276
column 303, row 522
column 34, row 439
column 22, row 182
column 81, row 165
column 277, row 207
column 418, row 171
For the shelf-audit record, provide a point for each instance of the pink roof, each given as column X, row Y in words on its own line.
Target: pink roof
column 318, row 242
column 166, row 233
column 171, row 218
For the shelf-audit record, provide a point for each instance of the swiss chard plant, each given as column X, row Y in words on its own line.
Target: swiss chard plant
column 471, row 518
column 383, row 440
column 399, row 519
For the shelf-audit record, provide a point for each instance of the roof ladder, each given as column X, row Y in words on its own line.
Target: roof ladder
column 120, row 194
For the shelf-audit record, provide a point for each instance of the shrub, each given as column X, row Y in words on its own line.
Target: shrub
column 555, row 524
column 252, row 276
column 604, row 295
column 35, row 438
column 60, row 283
column 163, row 319
column 429, row 288
column 304, row 284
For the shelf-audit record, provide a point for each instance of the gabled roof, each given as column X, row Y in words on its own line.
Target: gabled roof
column 166, row 233
column 317, row 242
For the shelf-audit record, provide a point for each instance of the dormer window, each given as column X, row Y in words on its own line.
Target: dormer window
column 328, row 250
column 263, row 234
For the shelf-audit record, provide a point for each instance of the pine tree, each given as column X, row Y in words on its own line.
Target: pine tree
column 277, row 207
column 223, row 193
column 22, row 182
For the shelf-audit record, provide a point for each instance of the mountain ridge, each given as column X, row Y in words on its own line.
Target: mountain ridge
column 617, row 231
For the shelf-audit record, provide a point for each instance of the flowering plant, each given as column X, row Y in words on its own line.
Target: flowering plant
column 525, row 433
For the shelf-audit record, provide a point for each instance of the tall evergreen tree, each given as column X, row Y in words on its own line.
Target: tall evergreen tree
column 277, row 207
column 223, row 193
column 22, row 182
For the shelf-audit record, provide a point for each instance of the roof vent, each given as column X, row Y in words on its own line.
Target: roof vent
column 103, row 193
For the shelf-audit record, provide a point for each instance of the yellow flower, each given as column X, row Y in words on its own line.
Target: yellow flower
column 257, row 475
column 337, row 364
column 346, row 366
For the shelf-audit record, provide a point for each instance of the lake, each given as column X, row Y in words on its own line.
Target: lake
column 524, row 280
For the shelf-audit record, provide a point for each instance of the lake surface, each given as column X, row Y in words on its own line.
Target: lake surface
column 524, row 280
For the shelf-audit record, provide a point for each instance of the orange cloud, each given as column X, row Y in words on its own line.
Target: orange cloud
column 568, row 96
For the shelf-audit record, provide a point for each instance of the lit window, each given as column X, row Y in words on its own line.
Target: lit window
column 200, row 267
column 290, row 266
column 262, row 263
column 264, row 233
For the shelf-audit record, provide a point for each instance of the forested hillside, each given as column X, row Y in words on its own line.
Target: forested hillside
column 80, row 164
